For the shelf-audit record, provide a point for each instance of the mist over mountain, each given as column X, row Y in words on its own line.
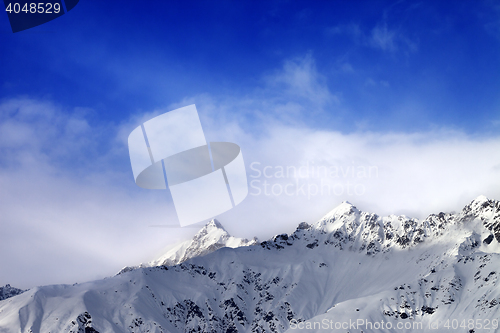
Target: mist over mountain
column 349, row 267
column 210, row 238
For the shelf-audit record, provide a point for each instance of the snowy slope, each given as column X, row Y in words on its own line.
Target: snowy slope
column 454, row 261
column 210, row 238
column 350, row 265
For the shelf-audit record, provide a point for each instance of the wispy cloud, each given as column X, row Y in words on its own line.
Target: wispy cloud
column 492, row 26
column 300, row 77
column 68, row 195
column 379, row 37
column 383, row 38
column 353, row 30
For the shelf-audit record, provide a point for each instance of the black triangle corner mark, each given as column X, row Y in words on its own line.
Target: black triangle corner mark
column 70, row 4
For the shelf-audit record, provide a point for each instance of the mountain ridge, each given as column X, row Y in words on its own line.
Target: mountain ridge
column 349, row 265
column 346, row 224
column 209, row 238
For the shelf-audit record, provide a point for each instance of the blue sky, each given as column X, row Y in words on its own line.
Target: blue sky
column 410, row 87
column 437, row 60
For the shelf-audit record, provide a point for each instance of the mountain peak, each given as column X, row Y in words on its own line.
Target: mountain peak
column 345, row 208
column 480, row 206
column 481, row 199
column 211, row 237
column 213, row 224
column 213, row 230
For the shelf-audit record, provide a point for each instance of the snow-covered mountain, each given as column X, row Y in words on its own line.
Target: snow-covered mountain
column 210, row 238
column 351, row 271
column 8, row 291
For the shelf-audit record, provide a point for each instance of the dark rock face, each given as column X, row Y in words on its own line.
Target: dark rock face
column 488, row 211
column 303, row 225
column 247, row 302
column 82, row 324
column 8, row 291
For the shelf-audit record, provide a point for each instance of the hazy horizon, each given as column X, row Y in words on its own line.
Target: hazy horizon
column 393, row 106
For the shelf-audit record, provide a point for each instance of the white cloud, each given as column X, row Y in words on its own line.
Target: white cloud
column 413, row 174
column 71, row 211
